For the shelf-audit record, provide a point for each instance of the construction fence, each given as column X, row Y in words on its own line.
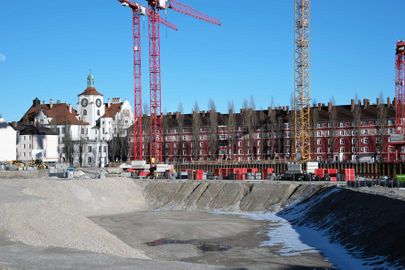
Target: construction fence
column 369, row 170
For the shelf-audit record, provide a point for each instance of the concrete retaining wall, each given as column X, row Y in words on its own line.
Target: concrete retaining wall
column 227, row 195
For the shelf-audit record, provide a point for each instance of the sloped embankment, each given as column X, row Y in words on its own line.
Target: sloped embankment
column 229, row 196
column 368, row 226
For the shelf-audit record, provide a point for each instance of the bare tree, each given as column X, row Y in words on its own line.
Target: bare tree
column 146, row 131
column 196, row 126
column 180, row 126
column 68, row 144
column 262, row 128
column 213, row 130
column 332, row 114
column 315, row 121
column 245, row 122
column 231, row 129
column 165, row 126
column 273, row 131
column 357, row 125
column 381, row 128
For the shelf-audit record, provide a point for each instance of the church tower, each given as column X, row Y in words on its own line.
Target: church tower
column 91, row 103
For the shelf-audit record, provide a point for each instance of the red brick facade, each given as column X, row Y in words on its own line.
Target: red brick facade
column 358, row 131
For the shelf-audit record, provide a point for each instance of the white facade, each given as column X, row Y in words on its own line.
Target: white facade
column 83, row 134
column 8, row 141
column 116, row 125
column 38, row 147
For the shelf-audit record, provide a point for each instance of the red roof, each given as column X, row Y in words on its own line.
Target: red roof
column 59, row 113
column 90, row 91
column 111, row 111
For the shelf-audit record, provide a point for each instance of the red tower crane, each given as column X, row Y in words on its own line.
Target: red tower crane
column 400, row 87
column 155, row 6
column 397, row 141
column 138, row 11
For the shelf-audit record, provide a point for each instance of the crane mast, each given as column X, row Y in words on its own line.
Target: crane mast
column 156, row 131
column 136, row 29
column 302, row 101
column 400, row 87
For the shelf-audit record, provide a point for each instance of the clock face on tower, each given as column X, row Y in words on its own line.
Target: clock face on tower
column 85, row 102
column 98, row 102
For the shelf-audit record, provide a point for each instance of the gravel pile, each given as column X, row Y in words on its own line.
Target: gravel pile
column 54, row 213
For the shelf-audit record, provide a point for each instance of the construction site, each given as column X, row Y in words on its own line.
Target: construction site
column 307, row 186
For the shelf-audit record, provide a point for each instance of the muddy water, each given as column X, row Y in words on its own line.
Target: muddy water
column 205, row 238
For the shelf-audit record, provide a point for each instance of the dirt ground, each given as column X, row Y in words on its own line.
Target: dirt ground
column 204, row 238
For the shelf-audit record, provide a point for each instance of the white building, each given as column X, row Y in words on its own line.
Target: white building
column 37, row 143
column 83, row 133
column 8, row 141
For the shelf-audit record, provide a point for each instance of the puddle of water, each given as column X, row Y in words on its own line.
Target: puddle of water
column 201, row 245
column 213, row 247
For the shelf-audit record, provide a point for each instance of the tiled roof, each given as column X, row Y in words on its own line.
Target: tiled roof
column 35, row 130
column 111, row 111
column 59, row 113
column 90, row 91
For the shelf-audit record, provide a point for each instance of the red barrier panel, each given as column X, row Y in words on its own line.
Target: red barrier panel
column 349, row 175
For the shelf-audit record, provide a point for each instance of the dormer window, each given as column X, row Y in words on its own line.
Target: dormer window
column 84, row 112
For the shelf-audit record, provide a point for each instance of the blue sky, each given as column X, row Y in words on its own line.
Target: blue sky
column 47, row 48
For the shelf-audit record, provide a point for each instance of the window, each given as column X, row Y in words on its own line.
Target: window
column 341, row 124
column 354, row 150
column 105, row 149
column 318, row 142
column 353, row 141
column 239, row 143
column 99, row 149
column 319, row 158
column 84, row 112
column 319, row 150
column 365, row 140
column 201, row 144
column 342, row 141
column 342, row 133
column 319, row 134
column 318, row 125
column 366, row 149
column 63, row 130
column 98, row 112
column 89, row 149
column 89, row 160
column 342, row 150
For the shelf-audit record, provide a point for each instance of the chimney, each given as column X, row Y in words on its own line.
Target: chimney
column 51, row 103
column 352, row 105
column 365, row 103
column 388, row 101
column 109, row 103
column 319, row 105
column 177, row 115
column 36, row 102
column 330, row 106
column 70, row 108
column 378, row 102
column 359, row 102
